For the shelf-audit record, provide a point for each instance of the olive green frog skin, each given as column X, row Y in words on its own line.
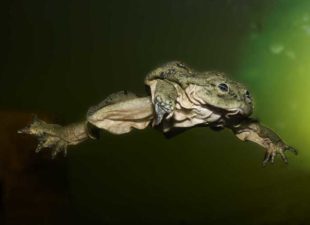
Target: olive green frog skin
column 179, row 98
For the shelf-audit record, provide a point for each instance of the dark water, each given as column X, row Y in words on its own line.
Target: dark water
column 63, row 56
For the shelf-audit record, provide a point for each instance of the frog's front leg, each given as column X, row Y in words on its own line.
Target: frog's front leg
column 164, row 96
column 250, row 130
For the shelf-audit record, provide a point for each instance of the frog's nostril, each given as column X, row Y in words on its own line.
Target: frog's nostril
column 248, row 98
column 247, row 94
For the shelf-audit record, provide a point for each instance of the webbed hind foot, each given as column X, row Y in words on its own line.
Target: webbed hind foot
column 53, row 136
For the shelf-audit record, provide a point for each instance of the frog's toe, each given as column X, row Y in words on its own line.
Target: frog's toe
column 275, row 150
column 283, row 157
column 54, row 143
column 269, row 157
column 159, row 114
column 291, row 149
column 59, row 147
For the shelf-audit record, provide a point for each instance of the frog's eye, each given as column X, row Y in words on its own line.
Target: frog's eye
column 223, row 87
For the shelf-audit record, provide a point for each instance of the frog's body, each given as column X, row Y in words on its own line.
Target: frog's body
column 191, row 98
column 179, row 97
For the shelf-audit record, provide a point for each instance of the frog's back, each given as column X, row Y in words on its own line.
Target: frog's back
column 174, row 71
column 178, row 72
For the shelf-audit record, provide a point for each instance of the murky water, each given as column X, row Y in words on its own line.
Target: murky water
column 62, row 57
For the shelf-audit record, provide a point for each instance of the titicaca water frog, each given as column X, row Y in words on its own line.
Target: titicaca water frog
column 179, row 98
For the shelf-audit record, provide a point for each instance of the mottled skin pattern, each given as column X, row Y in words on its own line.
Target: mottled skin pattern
column 180, row 97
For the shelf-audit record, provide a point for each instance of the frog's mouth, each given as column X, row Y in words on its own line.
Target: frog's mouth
column 234, row 112
column 244, row 111
column 227, row 113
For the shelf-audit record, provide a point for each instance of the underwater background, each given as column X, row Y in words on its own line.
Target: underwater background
column 59, row 57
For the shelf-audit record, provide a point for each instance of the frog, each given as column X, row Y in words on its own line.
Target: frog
column 178, row 98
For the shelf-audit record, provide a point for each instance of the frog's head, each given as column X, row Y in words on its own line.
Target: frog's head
column 220, row 93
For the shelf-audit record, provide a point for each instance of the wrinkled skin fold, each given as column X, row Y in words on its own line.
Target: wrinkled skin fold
column 179, row 98
column 117, row 118
column 58, row 138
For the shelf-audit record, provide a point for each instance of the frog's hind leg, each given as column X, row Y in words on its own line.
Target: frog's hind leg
column 117, row 114
column 121, row 112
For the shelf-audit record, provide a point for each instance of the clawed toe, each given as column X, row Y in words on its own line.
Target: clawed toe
column 54, row 143
column 291, row 149
column 268, row 157
column 271, row 155
column 58, row 149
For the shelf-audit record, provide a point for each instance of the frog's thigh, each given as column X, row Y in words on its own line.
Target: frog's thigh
column 122, row 117
column 164, row 97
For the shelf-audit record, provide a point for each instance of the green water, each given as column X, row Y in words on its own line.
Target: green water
column 63, row 56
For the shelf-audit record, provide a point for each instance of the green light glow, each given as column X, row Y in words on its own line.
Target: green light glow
column 276, row 65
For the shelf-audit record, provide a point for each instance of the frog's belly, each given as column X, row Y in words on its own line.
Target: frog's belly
column 191, row 117
column 189, row 111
